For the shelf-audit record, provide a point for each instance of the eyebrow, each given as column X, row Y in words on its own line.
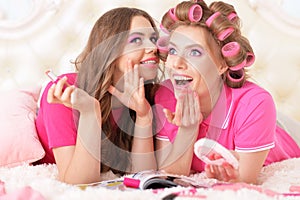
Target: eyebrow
column 188, row 46
column 143, row 34
column 136, row 33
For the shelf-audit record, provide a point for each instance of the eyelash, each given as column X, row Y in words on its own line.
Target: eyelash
column 172, row 51
column 138, row 40
column 153, row 39
column 197, row 51
column 134, row 40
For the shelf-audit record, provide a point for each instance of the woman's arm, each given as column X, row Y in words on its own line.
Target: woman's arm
column 255, row 123
column 143, row 156
column 133, row 97
column 176, row 158
column 250, row 165
column 79, row 163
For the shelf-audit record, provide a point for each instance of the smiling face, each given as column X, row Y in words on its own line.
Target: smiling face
column 141, row 49
column 192, row 63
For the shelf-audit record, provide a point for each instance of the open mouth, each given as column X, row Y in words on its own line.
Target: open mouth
column 182, row 81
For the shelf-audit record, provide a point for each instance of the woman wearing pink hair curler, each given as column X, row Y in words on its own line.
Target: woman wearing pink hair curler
column 208, row 96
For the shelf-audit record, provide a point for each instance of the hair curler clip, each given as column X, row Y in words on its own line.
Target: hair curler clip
column 232, row 16
column 195, row 13
column 250, row 59
column 212, row 18
column 172, row 14
column 231, row 49
column 162, row 44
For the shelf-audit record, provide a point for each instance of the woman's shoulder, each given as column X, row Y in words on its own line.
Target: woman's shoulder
column 251, row 94
column 250, row 89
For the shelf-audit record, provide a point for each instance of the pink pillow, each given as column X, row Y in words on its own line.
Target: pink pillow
column 19, row 142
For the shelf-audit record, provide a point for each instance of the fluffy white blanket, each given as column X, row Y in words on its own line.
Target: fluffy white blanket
column 274, row 181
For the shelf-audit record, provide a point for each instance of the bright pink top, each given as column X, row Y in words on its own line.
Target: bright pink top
column 56, row 124
column 243, row 119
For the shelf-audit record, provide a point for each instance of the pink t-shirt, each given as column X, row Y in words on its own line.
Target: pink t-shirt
column 243, row 119
column 56, row 124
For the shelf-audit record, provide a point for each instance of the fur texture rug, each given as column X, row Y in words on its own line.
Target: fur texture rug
column 277, row 181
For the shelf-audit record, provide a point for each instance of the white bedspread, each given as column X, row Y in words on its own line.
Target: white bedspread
column 275, row 178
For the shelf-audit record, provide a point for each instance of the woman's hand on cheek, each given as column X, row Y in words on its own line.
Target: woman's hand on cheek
column 133, row 95
column 225, row 172
column 187, row 112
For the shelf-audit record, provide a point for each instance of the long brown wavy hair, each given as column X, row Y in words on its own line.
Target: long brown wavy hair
column 96, row 66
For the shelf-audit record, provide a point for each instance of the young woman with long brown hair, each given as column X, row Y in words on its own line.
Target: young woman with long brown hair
column 100, row 119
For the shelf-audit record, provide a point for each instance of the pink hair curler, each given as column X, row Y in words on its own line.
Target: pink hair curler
column 225, row 33
column 162, row 44
column 232, row 16
column 250, row 59
column 231, row 49
column 240, row 74
column 172, row 14
column 164, row 29
column 238, row 66
column 195, row 13
column 212, row 18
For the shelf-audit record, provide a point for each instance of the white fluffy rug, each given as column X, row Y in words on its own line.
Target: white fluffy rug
column 275, row 180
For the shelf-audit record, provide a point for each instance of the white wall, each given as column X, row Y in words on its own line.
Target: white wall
column 55, row 32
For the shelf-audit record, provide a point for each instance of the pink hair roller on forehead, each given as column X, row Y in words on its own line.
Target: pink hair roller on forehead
column 195, row 13
column 172, row 14
column 212, row 18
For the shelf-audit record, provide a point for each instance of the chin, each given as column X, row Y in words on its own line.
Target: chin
column 148, row 74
